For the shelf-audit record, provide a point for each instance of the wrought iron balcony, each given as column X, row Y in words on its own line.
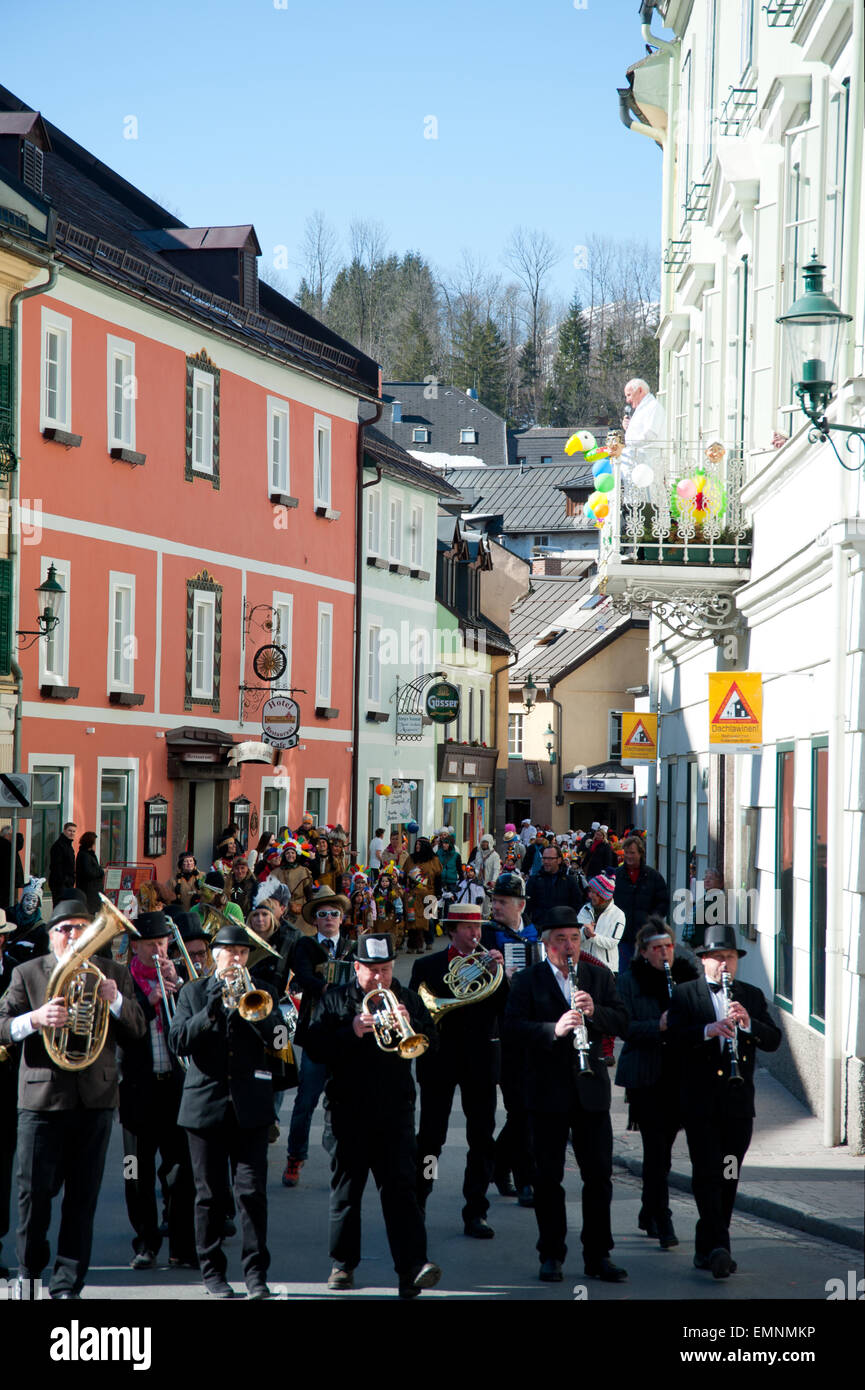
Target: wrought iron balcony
column 782, row 14
column 697, row 202
column 675, row 538
column 737, row 111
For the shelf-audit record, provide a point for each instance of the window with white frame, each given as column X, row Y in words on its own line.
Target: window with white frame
column 471, row 713
column 416, row 537
column 373, row 521
column 482, row 714
column 746, row 35
column 323, row 664
column 468, row 436
column 710, row 67
column 277, row 446
column 396, row 529
column 315, row 801
column 685, row 123
column 281, row 635
column 54, row 649
column 121, row 631
column 203, row 633
column 322, row 462
column 801, row 234
column 56, row 370
column 710, row 404
column 420, row 436
column 515, row 735
column 202, row 422
column 373, row 664
column 274, row 805
column 122, row 393
column 833, row 217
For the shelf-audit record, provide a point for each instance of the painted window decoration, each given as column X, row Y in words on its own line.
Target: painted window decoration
column 203, row 641
column 202, row 419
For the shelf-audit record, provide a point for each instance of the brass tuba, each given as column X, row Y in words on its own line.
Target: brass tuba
column 469, row 978
column 76, row 980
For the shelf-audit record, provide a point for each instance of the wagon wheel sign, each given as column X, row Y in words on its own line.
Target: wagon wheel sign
column 269, row 663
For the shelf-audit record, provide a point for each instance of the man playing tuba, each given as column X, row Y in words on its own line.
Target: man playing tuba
column 64, row 1115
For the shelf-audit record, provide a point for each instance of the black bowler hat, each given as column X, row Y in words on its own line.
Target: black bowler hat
column 374, row 948
column 152, row 926
column 719, row 938
column 559, row 917
column 69, row 907
column 189, row 926
column 231, row 935
column 509, row 884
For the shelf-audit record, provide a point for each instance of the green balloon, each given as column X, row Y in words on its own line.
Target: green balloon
column 605, row 483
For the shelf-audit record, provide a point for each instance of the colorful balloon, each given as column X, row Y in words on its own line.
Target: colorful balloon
column 601, row 468
column 605, row 483
column 642, row 475
column 594, row 499
column 686, row 490
column 602, row 509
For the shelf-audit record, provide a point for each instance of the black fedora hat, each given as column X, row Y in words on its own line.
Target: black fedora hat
column 231, row 935
column 721, row 937
column 69, row 907
column 559, row 917
column 152, row 926
column 374, row 948
column 189, row 926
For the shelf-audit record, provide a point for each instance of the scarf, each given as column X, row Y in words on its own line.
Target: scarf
column 145, row 976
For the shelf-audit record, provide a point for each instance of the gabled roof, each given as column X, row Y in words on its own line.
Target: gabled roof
column 529, row 499
column 103, row 227
column 560, row 624
column 542, row 441
column 444, row 414
column 396, row 463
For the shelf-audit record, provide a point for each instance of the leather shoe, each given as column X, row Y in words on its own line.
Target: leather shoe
column 219, row 1288
column 425, row 1278
column 647, row 1224
column 145, row 1259
column 505, row 1186
column 607, row 1272
column 720, row 1263
column 479, row 1228
column 551, row 1272
column 340, row 1278
column 258, row 1291
column 526, row 1197
column 667, row 1237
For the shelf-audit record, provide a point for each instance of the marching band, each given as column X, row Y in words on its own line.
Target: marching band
column 187, row 1020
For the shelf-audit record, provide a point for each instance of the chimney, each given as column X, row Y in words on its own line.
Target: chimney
column 396, row 412
column 471, row 393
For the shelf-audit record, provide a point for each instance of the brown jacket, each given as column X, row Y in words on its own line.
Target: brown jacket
column 41, row 1084
column 293, row 875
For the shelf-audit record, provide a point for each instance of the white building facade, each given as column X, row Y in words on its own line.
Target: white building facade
column 758, row 110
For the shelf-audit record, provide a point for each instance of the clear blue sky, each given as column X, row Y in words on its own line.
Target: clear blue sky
column 252, row 113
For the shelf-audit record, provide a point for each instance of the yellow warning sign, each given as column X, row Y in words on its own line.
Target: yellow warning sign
column 735, row 711
column 639, row 738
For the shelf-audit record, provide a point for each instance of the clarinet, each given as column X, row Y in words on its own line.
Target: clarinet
column 732, row 1043
column 669, row 974
column 581, row 1036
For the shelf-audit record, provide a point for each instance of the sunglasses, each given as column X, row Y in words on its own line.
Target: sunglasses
column 329, row 912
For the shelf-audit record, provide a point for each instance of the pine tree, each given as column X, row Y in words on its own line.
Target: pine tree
column 482, row 364
column 565, row 399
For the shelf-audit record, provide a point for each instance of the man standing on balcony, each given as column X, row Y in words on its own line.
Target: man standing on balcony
column 645, row 420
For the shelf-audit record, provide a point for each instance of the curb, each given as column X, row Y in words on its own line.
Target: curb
column 783, row 1213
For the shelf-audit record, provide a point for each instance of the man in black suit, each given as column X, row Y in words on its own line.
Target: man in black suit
column 64, row 1117
column 8, row 1094
column 325, row 911
column 718, row 1108
column 151, row 1082
column 371, row 1100
column 61, row 864
column 565, row 1102
column 467, row 1057
column 227, row 1109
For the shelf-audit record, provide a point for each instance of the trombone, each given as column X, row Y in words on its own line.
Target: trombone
column 168, row 1001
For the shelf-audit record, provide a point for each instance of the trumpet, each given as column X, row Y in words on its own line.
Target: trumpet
column 392, row 1033
column 581, row 1034
column 238, row 992
column 732, row 1043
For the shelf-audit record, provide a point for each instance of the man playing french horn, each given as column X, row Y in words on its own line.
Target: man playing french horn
column 366, row 1034
column 65, row 1107
column 465, row 991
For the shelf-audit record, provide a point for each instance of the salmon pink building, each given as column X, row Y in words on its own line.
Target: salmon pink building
column 188, row 444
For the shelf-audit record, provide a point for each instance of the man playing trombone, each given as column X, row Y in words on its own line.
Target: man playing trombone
column 370, row 1096
column 151, row 1082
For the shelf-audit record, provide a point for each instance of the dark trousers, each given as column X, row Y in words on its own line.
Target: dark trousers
column 656, row 1110
column 309, row 1088
column 712, row 1143
column 591, row 1136
column 513, row 1149
column 358, row 1147
column 212, row 1150
column 159, row 1133
column 478, row 1095
column 8, row 1140
column 59, row 1148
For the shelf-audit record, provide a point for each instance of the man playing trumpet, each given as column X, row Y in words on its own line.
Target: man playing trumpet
column 370, row 1095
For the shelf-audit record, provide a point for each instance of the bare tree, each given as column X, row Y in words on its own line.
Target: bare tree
column 531, row 255
column 319, row 259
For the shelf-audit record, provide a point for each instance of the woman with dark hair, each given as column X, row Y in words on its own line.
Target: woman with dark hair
column 265, row 842
column 423, row 873
column 322, row 864
column 187, row 882
column 89, row 873
column 648, row 1065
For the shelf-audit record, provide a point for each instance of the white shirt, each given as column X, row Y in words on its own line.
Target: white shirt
column 561, row 980
column 648, row 422
column 377, row 845
column 719, row 1004
column 22, row 1026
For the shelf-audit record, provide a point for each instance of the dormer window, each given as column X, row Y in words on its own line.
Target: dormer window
column 420, row 436
column 31, row 166
column 468, row 436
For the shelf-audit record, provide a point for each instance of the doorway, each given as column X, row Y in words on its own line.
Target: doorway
column 202, row 802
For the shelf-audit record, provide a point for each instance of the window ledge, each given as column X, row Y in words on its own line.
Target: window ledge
column 328, row 513
column 58, row 436
column 377, row 716
column 376, row 562
column 125, row 697
column 282, row 499
column 127, row 455
column 420, row 574
column 396, row 568
column 59, row 692
column 325, row 712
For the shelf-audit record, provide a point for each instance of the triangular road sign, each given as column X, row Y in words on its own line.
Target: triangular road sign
column 734, row 708
column 639, row 736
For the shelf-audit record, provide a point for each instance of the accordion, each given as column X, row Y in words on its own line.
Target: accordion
column 520, row 954
column 335, row 972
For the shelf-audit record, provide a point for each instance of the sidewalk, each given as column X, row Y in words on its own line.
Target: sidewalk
column 788, row 1176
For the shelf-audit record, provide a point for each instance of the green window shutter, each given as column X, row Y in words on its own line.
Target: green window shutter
column 6, row 402
column 5, row 617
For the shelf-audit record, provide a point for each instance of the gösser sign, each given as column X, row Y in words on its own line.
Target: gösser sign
column 443, row 702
